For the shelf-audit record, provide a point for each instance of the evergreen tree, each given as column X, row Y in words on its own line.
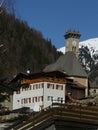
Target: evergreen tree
column 88, row 58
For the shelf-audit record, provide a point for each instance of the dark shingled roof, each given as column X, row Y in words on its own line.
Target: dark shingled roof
column 67, row 63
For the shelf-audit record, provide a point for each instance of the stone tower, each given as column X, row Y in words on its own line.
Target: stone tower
column 72, row 41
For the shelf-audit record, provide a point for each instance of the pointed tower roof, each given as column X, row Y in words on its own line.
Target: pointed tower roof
column 68, row 64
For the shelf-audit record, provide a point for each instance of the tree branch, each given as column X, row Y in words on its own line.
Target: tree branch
column 1, row 3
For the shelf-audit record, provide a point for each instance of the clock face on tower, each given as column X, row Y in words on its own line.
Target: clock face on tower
column 74, row 43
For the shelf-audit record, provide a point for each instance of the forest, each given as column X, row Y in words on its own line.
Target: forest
column 23, row 48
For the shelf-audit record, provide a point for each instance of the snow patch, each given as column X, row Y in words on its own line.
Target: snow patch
column 89, row 43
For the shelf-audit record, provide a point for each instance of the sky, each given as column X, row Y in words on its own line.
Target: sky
column 54, row 17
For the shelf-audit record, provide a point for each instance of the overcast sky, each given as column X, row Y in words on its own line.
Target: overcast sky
column 54, row 17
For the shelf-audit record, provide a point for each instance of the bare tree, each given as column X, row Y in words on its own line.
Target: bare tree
column 6, row 5
column 1, row 6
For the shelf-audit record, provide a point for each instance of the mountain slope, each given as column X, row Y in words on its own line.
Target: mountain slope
column 89, row 43
column 22, row 47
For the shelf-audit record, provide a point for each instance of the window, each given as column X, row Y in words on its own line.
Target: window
column 41, row 98
column 94, row 91
column 60, row 99
column 22, row 89
column 32, row 99
column 26, row 89
column 18, row 101
column 30, row 86
column 59, row 87
column 29, row 100
column 74, row 49
column 24, row 100
column 50, row 98
column 62, row 87
column 17, row 92
column 53, row 86
column 35, row 99
column 50, row 86
column 56, row 86
column 38, row 86
column 42, row 85
column 34, row 86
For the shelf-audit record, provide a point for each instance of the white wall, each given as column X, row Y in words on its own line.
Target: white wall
column 39, row 91
column 55, row 93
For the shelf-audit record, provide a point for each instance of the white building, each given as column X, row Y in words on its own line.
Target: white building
column 38, row 91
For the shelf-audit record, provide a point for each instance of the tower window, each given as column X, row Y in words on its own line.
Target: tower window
column 74, row 48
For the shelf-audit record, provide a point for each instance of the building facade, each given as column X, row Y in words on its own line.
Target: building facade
column 39, row 91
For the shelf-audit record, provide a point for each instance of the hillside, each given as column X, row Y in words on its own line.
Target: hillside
column 22, row 47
